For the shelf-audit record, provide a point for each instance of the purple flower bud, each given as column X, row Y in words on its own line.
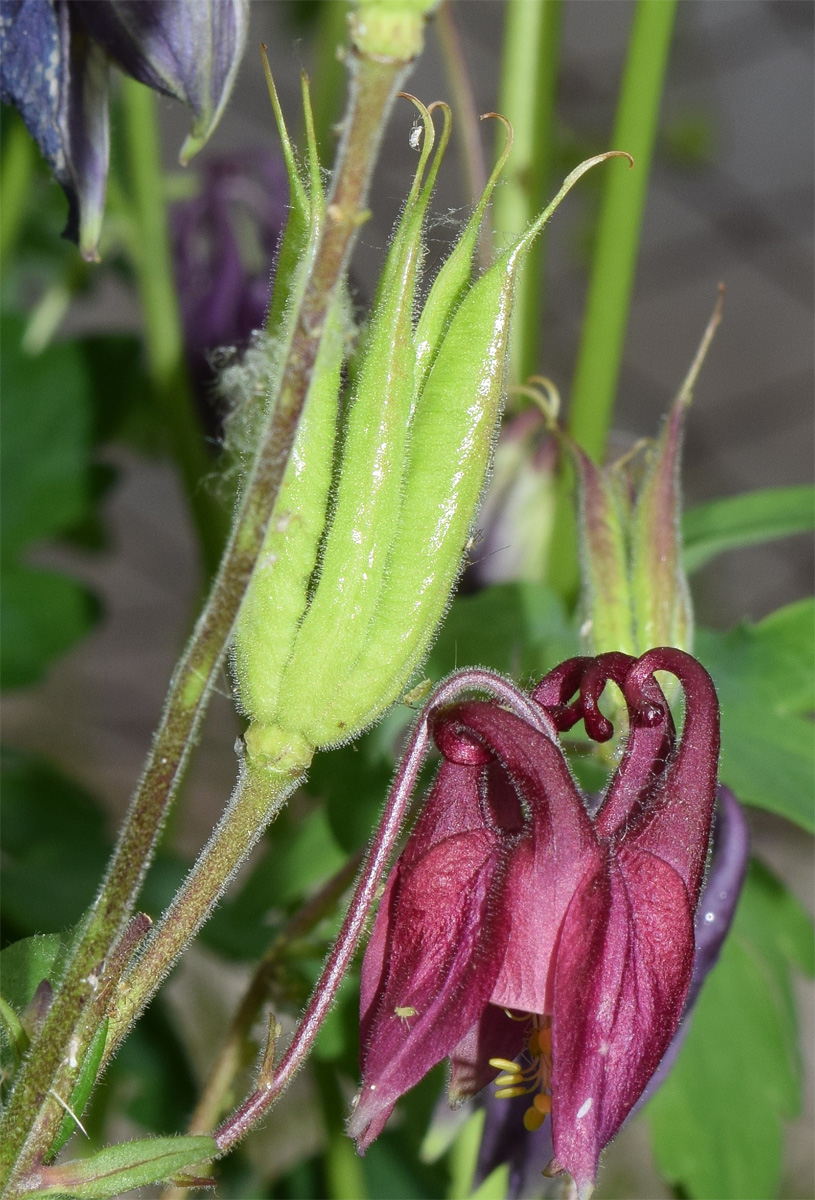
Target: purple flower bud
column 57, row 78
column 54, row 60
column 224, row 239
column 189, row 51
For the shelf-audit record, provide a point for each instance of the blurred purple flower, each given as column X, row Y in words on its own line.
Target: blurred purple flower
column 54, row 68
column 518, row 512
column 224, row 240
column 517, row 922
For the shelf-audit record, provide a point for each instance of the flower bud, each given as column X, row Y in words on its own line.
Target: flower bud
column 635, row 592
column 189, row 51
column 54, row 61
column 57, row 77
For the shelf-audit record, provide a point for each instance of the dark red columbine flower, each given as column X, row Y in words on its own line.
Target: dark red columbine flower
column 519, row 925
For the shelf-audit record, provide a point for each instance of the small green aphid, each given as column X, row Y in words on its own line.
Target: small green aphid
column 405, row 1013
column 417, row 693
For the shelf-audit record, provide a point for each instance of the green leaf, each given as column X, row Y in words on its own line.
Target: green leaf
column 765, row 677
column 761, row 516
column 23, row 966
column 716, row 1123
column 354, row 782
column 45, row 490
column 42, row 615
column 26, row 963
column 82, row 1088
column 518, row 628
column 121, row 1168
column 46, row 427
column 54, row 843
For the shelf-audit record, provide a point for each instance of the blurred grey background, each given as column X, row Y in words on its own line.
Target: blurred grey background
column 741, row 76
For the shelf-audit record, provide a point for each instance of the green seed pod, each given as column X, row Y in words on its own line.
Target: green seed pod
column 369, row 491
column 454, row 275
column 603, row 529
column 278, row 591
column 660, row 596
column 451, row 440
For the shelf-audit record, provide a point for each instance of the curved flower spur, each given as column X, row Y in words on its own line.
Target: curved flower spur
column 516, row 925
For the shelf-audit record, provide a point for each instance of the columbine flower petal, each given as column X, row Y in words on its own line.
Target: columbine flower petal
column 623, row 968
column 511, row 895
column 432, row 959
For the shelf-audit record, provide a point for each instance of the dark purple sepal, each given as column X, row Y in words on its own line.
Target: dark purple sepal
column 622, row 973
column 57, row 78
column 714, row 916
column 505, row 1140
column 433, row 955
column 189, row 51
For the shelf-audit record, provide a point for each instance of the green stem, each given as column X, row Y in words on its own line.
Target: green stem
column 375, row 83
column 466, row 128
column 258, row 798
column 594, row 385
column 326, row 82
column 527, row 98
column 152, row 263
column 16, row 172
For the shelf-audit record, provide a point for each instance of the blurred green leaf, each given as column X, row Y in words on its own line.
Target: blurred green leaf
column 54, row 844
column 150, row 1080
column 716, row 1121
column 765, row 677
column 121, row 1168
column 24, row 964
column 46, row 434
column 353, row 781
column 42, row 614
column 45, row 489
column 761, row 516
column 520, row 629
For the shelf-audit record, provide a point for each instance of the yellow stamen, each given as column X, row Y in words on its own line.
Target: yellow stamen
column 503, row 1064
column 533, row 1119
column 543, row 1103
column 509, row 1093
column 507, row 1081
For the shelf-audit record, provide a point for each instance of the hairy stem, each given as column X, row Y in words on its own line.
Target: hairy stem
column 212, row 1102
column 375, row 82
column 271, row 1084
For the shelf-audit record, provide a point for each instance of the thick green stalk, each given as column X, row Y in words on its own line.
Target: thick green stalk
column 16, row 171
column 527, row 99
column 594, row 385
column 374, row 84
column 150, row 251
column 327, row 72
column 466, row 129
column 257, row 800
